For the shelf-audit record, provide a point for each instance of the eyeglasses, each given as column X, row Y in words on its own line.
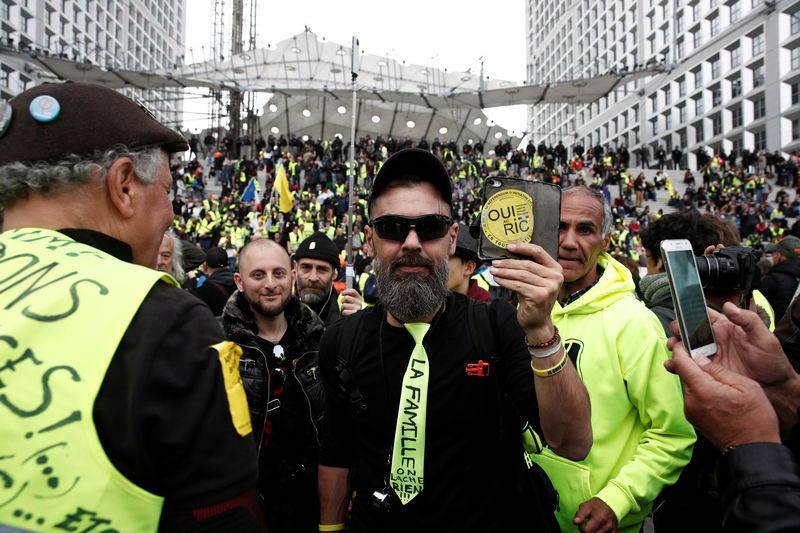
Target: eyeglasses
column 396, row 227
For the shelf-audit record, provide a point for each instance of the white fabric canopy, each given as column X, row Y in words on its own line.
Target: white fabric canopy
column 305, row 73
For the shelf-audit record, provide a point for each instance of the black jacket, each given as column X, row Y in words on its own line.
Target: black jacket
column 760, row 485
column 216, row 290
column 779, row 284
column 240, row 327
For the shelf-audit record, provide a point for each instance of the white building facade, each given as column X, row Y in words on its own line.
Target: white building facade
column 115, row 34
column 733, row 82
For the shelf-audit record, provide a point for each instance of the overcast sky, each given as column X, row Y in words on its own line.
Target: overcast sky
column 437, row 33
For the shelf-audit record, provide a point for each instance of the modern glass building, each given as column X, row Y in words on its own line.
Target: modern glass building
column 115, row 34
column 733, row 80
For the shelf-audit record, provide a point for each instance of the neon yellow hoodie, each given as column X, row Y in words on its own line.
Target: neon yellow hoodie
column 642, row 439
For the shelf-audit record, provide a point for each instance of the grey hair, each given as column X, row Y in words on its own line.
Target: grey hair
column 178, row 272
column 18, row 179
column 608, row 218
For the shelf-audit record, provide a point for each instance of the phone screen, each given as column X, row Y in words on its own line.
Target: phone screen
column 690, row 301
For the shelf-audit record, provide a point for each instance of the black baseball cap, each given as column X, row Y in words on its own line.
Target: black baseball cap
column 216, row 257
column 413, row 162
column 466, row 245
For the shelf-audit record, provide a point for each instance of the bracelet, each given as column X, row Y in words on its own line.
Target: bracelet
column 331, row 527
column 552, row 371
column 547, row 344
column 546, row 353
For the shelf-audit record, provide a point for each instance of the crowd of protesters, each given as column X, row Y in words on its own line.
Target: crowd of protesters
column 737, row 187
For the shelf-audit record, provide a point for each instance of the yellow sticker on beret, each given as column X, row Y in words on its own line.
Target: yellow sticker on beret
column 508, row 217
column 229, row 354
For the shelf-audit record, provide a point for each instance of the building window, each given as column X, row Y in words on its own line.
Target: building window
column 716, row 96
column 795, row 90
column 759, row 108
column 654, row 124
column 681, row 49
column 736, row 116
column 760, row 141
column 698, row 132
column 714, row 26
column 716, row 68
column 736, row 87
column 795, row 22
column 679, row 24
column 697, row 38
column 736, row 57
column 736, row 11
column 5, row 11
column 795, row 58
column 4, row 78
column 758, row 44
column 698, row 106
column 682, row 114
column 758, row 76
column 698, row 79
column 667, row 96
column 668, row 121
column 716, row 126
column 738, row 146
column 681, row 88
column 795, row 129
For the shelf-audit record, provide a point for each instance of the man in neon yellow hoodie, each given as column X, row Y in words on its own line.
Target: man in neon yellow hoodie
column 642, row 439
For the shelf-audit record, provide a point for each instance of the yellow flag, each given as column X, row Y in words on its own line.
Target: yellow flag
column 282, row 184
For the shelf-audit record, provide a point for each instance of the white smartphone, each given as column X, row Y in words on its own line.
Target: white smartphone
column 688, row 298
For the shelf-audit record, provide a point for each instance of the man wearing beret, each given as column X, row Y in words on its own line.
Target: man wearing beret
column 316, row 262
column 120, row 400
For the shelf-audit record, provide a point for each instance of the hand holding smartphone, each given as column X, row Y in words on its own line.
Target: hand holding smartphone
column 688, row 298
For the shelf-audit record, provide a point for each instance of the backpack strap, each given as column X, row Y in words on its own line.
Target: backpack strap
column 348, row 340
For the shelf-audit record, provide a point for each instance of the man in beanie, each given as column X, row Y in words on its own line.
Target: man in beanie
column 463, row 264
column 122, row 402
column 316, row 262
column 219, row 284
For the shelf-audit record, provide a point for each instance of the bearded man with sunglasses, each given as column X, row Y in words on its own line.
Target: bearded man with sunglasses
column 413, row 404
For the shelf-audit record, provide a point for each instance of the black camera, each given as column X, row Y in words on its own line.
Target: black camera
column 731, row 269
column 380, row 501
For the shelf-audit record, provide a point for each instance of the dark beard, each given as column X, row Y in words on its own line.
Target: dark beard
column 269, row 312
column 411, row 296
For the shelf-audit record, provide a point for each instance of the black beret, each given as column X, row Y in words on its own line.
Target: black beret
column 413, row 162
column 79, row 118
column 318, row 246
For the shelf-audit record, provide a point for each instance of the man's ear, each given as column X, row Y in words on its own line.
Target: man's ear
column 368, row 233
column 237, row 278
column 120, row 184
column 453, row 235
column 660, row 264
column 471, row 267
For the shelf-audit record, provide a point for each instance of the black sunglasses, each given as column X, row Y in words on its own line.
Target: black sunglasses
column 396, row 227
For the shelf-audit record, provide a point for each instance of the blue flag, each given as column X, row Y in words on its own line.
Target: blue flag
column 250, row 191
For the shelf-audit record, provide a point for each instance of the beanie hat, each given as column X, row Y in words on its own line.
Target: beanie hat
column 318, row 246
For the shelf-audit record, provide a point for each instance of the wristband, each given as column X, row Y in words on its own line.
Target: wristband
column 331, row 527
column 547, row 344
column 546, row 353
column 552, row 371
